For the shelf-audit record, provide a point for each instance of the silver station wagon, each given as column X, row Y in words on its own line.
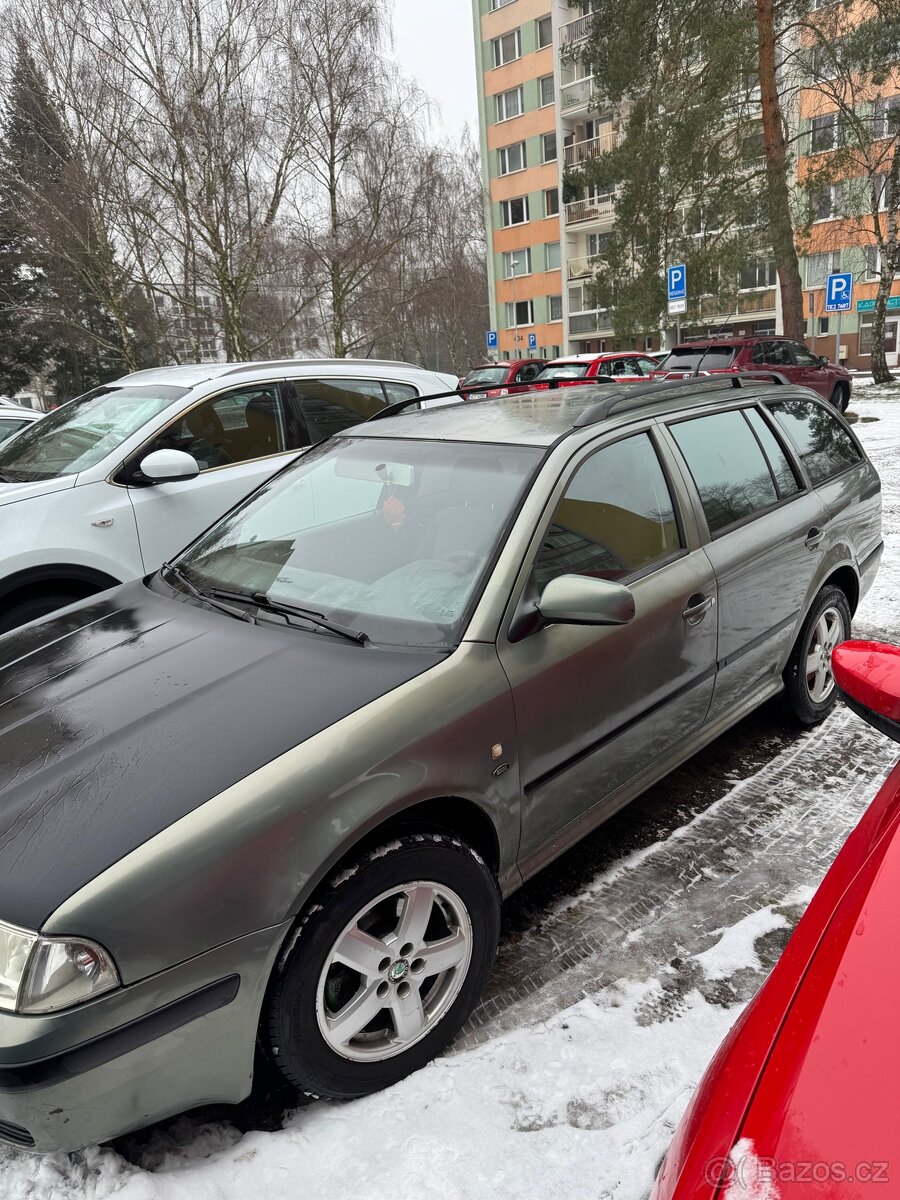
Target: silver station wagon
column 268, row 799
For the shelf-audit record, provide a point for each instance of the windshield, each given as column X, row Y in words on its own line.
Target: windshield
column 573, row 370
column 486, row 375
column 390, row 537
column 82, row 432
column 708, row 358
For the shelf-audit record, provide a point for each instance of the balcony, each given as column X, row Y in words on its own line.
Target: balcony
column 577, row 94
column 590, row 210
column 578, row 152
column 586, row 323
column 574, row 31
column 579, row 268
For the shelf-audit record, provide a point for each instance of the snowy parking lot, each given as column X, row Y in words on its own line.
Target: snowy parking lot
column 620, row 970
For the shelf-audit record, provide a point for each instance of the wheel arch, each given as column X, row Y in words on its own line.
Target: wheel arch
column 49, row 576
column 845, row 578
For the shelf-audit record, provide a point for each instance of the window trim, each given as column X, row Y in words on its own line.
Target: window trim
column 496, row 42
column 525, row 210
column 538, row 45
column 513, row 116
column 700, row 511
column 501, row 150
column 541, row 102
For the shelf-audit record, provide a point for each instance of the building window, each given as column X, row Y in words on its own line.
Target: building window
column 551, row 202
column 510, row 104
column 824, row 325
column 820, row 266
column 887, row 116
column 554, row 303
column 826, row 133
column 827, row 201
column 548, row 147
column 517, row 262
column 514, row 212
column 546, row 90
column 598, row 243
column 544, row 32
column 753, row 147
column 507, row 49
column 554, row 262
column 520, row 313
column 764, row 328
column 512, row 158
column 495, row 4
column 757, row 275
column 865, row 335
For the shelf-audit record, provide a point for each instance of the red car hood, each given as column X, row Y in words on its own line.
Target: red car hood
column 829, row 1092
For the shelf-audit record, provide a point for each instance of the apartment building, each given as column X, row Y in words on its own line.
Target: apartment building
column 540, row 113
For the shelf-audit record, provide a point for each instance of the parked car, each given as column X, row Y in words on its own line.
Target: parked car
column 623, row 366
column 501, row 378
column 794, row 1102
column 111, row 484
column 268, row 799
column 797, row 363
column 14, row 417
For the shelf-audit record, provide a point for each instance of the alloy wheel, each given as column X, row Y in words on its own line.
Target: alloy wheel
column 827, row 632
column 394, row 971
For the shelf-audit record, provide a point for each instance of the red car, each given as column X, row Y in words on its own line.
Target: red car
column 800, row 1100
column 798, row 364
column 625, row 366
column 499, row 379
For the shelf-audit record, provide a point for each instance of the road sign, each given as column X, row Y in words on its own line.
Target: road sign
column 676, row 282
column 869, row 305
column 676, row 307
column 491, row 338
column 839, row 292
column 532, row 341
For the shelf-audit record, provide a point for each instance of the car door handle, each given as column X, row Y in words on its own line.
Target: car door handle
column 698, row 607
column 813, row 538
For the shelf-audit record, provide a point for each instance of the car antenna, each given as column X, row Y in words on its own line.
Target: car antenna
column 718, row 333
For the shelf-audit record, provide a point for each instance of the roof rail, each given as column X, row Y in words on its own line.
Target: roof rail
column 646, row 393
column 235, row 368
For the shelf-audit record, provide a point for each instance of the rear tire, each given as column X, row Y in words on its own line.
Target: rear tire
column 809, row 685
column 353, row 1005
column 34, row 608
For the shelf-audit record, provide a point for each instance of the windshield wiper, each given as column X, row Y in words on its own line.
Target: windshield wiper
column 207, row 596
column 261, row 600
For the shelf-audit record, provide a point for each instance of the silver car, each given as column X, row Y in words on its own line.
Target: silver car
column 268, row 800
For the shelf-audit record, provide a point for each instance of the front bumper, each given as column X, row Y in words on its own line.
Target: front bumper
column 171, row 1042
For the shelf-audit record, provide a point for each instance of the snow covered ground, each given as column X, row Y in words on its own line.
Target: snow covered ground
column 614, row 985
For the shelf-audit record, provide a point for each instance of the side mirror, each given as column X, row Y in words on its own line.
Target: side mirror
column 824, row 360
column 581, row 600
column 167, row 466
column 868, row 678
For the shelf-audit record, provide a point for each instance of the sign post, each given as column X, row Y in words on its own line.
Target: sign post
column 838, row 299
column 676, row 291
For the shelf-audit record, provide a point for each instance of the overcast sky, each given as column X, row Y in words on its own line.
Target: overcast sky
column 433, row 42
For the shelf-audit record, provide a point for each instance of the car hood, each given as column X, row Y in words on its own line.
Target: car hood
column 827, row 1092
column 11, row 492
column 123, row 714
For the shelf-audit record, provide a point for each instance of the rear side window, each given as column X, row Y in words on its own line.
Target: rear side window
column 615, row 518
column 329, row 406
column 728, row 466
column 822, row 442
column 707, row 358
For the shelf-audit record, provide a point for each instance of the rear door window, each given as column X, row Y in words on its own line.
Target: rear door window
column 728, row 467
column 822, row 442
column 328, row 406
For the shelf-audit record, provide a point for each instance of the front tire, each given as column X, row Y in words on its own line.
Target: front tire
column 34, row 608
column 840, row 397
column 809, row 683
column 384, row 968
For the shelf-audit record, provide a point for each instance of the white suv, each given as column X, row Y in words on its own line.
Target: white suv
column 110, row 485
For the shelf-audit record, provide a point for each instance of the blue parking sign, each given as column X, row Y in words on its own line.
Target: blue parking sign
column 676, row 282
column 532, row 341
column 491, row 338
column 839, row 292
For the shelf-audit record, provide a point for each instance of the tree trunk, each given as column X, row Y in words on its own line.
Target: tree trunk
column 777, row 185
column 890, row 260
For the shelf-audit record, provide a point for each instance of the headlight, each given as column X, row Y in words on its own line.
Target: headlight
column 40, row 975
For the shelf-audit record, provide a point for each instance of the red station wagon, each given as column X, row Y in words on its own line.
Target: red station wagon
column 625, row 366
column 792, row 359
